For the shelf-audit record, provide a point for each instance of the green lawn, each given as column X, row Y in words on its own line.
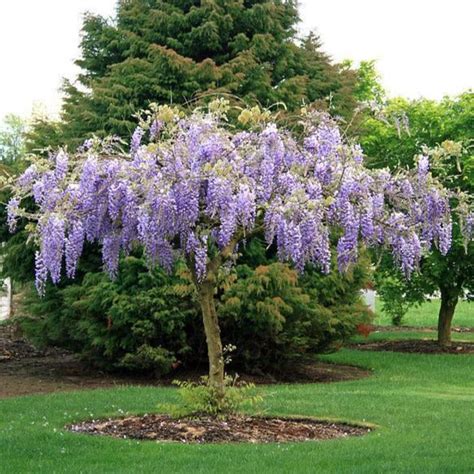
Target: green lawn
column 426, row 314
column 423, row 405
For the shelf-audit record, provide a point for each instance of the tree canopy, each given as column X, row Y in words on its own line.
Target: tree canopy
column 196, row 187
column 176, row 51
column 444, row 131
column 12, row 140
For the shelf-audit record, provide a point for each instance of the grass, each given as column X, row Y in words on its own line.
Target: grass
column 423, row 405
column 426, row 315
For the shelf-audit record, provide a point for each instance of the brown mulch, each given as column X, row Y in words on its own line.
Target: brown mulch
column 311, row 371
column 26, row 370
column 234, row 429
column 417, row 346
column 458, row 329
column 14, row 346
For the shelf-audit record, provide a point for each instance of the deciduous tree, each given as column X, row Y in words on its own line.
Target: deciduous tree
column 442, row 131
column 196, row 187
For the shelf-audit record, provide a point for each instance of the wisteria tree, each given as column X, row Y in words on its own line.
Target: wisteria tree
column 195, row 188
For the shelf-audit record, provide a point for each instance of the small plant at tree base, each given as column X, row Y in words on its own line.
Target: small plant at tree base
column 202, row 399
column 199, row 188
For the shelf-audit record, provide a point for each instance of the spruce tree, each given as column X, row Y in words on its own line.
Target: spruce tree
column 180, row 50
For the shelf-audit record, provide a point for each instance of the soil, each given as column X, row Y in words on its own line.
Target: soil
column 26, row 370
column 458, row 329
column 311, row 371
column 417, row 346
column 235, row 429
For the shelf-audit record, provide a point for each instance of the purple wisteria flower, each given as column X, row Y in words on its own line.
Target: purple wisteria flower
column 201, row 187
column 13, row 208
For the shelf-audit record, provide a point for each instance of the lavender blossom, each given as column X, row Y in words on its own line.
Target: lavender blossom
column 155, row 129
column 136, row 140
column 202, row 188
column 13, row 208
column 423, row 167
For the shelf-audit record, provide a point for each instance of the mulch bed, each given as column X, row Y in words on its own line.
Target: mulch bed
column 26, row 370
column 417, row 346
column 310, row 371
column 14, row 346
column 234, row 429
column 458, row 329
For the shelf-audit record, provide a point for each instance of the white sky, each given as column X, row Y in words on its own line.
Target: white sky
column 422, row 47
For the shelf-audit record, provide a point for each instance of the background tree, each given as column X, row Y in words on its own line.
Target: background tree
column 368, row 85
column 12, row 140
column 44, row 133
column 200, row 188
column 12, row 153
column 175, row 51
column 445, row 131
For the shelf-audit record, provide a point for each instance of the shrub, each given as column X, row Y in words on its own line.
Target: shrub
column 273, row 318
column 341, row 295
column 199, row 399
column 137, row 322
column 149, row 321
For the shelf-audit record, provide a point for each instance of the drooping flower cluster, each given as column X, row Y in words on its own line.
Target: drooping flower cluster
column 192, row 186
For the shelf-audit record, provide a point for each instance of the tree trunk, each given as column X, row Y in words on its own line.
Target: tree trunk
column 213, row 337
column 449, row 300
column 206, row 290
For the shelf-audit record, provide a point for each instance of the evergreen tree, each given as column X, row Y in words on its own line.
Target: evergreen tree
column 176, row 51
column 181, row 51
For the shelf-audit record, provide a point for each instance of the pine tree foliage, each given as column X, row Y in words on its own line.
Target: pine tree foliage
column 147, row 321
column 177, row 51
